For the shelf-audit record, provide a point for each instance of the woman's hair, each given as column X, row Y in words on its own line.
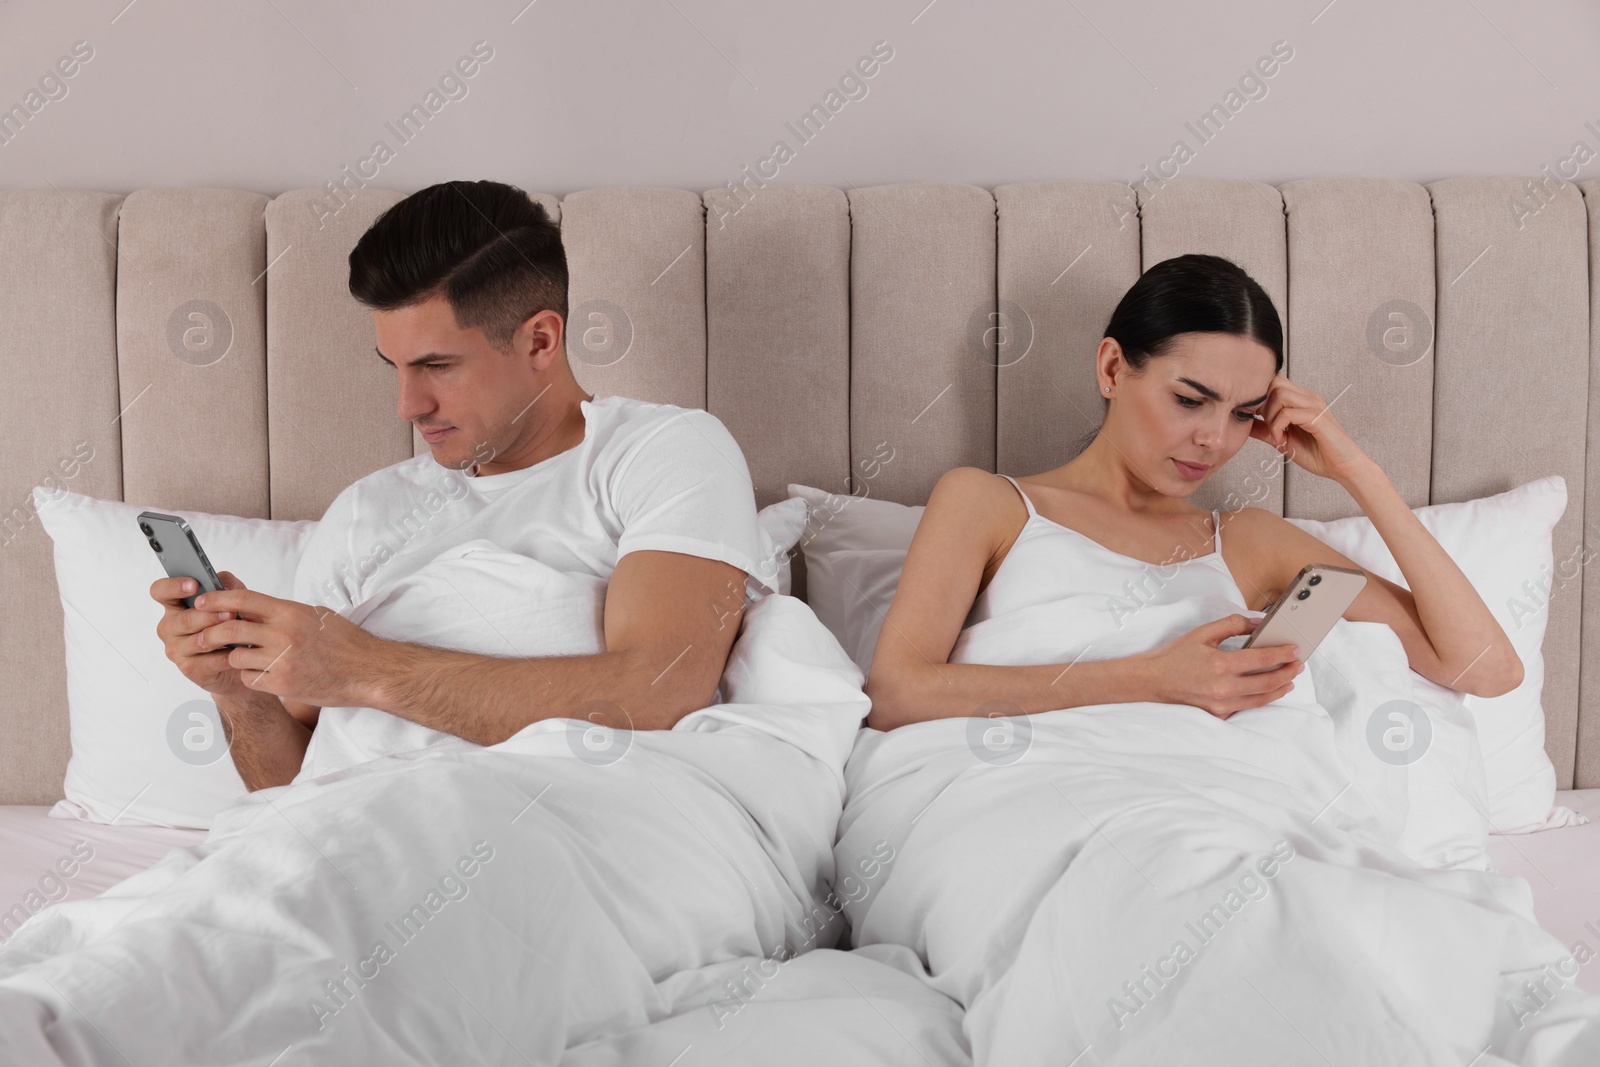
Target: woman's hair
column 486, row 247
column 1190, row 294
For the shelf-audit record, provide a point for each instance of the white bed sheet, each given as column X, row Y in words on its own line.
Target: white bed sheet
column 1562, row 867
column 32, row 844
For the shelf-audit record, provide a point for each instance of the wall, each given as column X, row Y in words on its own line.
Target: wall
column 270, row 95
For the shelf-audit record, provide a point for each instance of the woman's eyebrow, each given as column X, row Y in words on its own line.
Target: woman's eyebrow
column 1206, row 390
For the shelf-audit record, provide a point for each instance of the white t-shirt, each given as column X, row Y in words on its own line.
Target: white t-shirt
column 645, row 476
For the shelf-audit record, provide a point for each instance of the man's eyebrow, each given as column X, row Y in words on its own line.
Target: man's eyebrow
column 431, row 357
column 1205, row 390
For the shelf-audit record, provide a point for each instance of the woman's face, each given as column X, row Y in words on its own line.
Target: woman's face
column 1191, row 405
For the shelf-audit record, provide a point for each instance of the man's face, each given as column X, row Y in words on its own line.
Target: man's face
column 470, row 400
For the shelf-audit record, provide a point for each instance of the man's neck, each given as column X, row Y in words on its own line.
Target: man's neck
column 574, row 430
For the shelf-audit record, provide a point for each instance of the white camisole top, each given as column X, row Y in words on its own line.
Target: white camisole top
column 1089, row 601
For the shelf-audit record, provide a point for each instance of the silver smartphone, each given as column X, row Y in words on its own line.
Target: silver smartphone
column 179, row 551
column 1316, row 599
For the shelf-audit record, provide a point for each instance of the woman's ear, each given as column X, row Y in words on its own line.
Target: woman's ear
column 1108, row 364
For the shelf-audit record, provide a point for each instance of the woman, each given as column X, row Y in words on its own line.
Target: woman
column 1109, row 837
column 1191, row 367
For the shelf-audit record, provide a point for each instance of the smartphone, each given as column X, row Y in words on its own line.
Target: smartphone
column 1316, row 599
column 180, row 553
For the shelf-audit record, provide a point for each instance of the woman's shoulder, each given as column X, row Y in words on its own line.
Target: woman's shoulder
column 972, row 518
column 978, row 500
column 973, row 475
column 967, row 484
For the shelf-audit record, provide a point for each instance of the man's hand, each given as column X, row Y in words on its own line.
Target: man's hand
column 180, row 629
column 266, row 739
column 304, row 653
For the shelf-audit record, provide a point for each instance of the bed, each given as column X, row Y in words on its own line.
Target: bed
column 948, row 323
column 1560, row 867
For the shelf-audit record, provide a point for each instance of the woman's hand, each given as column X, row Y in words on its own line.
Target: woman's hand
column 1298, row 424
column 1193, row 670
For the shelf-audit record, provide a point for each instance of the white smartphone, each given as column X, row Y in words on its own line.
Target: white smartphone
column 1316, row 599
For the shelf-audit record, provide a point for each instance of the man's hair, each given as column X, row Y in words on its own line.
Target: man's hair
column 486, row 247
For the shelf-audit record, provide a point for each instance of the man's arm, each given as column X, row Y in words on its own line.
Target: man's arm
column 670, row 621
column 669, row 624
column 266, row 741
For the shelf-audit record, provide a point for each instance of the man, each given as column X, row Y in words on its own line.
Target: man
column 467, row 282
column 446, row 876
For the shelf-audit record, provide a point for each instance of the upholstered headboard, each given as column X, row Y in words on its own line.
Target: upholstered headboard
column 203, row 343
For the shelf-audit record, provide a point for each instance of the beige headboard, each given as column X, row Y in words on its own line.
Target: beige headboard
column 941, row 325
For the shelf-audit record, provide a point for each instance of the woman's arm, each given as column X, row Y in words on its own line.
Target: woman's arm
column 1449, row 634
column 970, row 520
column 1470, row 652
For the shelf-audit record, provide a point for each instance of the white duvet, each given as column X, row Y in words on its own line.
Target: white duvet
column 1144, row 883
column 460, row 904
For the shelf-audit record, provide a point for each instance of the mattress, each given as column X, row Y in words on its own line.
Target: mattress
column 45, row 860
column 1563, row 869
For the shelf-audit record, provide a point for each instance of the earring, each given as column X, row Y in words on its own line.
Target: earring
column 1107, row 388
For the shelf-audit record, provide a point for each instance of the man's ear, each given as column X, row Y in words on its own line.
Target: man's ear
column 541, row 337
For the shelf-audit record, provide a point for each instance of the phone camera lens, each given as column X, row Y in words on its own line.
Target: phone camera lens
column 155, row 545
column 1303, row 594
column 1314, row 579
column 148, row 532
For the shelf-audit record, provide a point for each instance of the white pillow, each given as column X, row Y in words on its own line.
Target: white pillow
column 147, row 743
column 786, row 676
column 781, row 525
column 867, row 578
column 839, row 525
column 1502, row 544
